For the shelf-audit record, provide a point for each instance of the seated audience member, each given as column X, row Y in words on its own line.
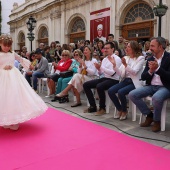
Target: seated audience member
column 100, row 48
column 34, row 62
column 110, row 38
column 146, row 46
column 167, row 45
column 41, row 69
column 86, row 71
column 63, row 82
column 24, row 51
column 96, row 55
column 65, row 47
column 72, row 47
column 130, row 73
column 47, row 54
column 62, row 65
column 57, row 54
column 52, row 49
column 81, row 45
column 157, row 77
column 123, row 51
column 121, row 42
column 41, row 47
column 118, row 53
column 110, row 78
column 87, row 42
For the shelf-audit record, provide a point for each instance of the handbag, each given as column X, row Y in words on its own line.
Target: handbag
column 84, row 72
column 66, row 74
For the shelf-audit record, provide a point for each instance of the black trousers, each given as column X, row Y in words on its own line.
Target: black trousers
column 54, row 76
column 101, row 85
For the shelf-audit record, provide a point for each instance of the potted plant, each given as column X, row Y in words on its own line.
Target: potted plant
column 160, row 10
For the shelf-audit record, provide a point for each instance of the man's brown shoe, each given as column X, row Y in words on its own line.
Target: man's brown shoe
column 100, row 112
column 156, row 126
column 147, row 122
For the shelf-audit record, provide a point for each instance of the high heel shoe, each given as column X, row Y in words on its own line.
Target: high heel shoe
column 64, row 99
column 123, row 116
column 117, row 115
column 55, row 99
column 60, row 95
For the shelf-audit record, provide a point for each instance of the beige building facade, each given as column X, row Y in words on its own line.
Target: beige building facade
column 69, row 20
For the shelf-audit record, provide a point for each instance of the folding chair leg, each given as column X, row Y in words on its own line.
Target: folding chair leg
column 163, row 116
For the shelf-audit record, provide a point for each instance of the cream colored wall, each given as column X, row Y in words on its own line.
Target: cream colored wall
column 57, row 16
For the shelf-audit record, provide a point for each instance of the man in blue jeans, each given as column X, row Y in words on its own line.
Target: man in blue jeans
column 40, row 70
column 157, row 77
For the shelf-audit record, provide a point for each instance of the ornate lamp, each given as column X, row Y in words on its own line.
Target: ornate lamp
column 159, row 11
column 31, row 24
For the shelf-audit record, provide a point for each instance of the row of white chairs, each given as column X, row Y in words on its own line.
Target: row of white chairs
column 42, row 83
column 133, row 110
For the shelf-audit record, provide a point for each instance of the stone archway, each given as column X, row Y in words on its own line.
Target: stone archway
column 21, row 40
column 77, row 29
column 43, row 35
column 138, row 22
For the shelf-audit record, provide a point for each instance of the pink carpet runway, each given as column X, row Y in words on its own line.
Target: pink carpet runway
column 58, row 141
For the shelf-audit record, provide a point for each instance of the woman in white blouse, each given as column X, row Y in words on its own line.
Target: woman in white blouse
column 86, row 71
column 130, row 74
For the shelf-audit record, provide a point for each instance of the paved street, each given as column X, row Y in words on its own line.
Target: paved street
column 127, row 125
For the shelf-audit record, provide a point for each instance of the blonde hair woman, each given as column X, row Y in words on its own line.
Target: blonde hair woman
column 86, row 71
column 62, row 65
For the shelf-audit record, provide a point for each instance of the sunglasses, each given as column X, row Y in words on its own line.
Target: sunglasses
column 76, row 55
column 58, row 46
column 64, row 55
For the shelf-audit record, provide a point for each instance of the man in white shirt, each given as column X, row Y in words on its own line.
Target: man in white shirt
column 110, row 78
column 157, row 77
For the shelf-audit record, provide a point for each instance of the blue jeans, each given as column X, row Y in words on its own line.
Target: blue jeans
column 35, row 77
column 122, row 89
column 159, row 95
column 62, row 83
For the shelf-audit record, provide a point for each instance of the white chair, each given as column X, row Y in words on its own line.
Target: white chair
column 132, row 110
column 107, row 101
column 42, row 82
column 163, row 114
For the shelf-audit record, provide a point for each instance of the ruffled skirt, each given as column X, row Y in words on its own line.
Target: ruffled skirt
column 18, row 101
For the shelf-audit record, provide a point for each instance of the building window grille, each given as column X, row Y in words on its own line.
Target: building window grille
column 139, row 12
column 44, row 33
column 145, row 32
column 78, row 26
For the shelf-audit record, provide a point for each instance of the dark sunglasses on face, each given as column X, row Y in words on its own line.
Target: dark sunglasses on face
column 64, row 55
column 76, row 55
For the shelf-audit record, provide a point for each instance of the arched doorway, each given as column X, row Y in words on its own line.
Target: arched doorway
column 77, row 30
column 138, row 22
column 21, row 41
column 43, row 35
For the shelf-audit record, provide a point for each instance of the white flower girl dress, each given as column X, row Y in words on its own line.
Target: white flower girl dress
column 18, row 101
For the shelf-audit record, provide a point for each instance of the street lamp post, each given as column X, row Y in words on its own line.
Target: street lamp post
column 31, row 23
column 159, row 11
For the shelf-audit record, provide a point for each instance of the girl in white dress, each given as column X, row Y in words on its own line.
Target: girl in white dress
column 18, row 101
